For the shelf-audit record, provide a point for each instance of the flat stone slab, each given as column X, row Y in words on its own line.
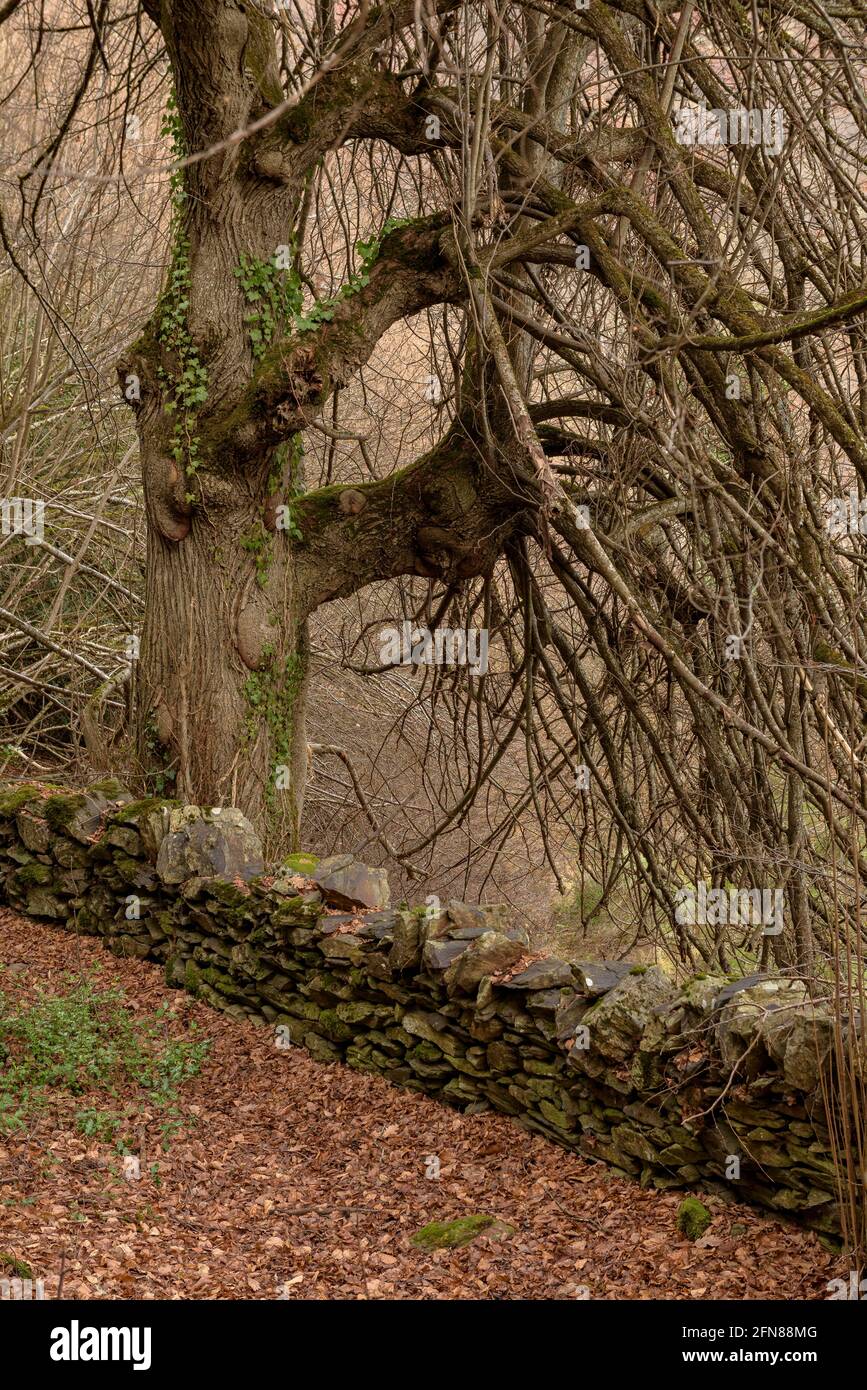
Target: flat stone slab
column 542, row 974
column 345, row 882
column 597, row 977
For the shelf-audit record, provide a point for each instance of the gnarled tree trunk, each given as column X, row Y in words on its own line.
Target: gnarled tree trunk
column 223, row 379
column 222, row 675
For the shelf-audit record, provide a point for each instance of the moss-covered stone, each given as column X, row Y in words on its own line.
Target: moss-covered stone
column 693, row 1218
column 536, row 1067
column 15, row 797
column 343, row 947
column 192, row 977
column 304, row 864
column 246, row 962
column 60, row 810
column 556, row 1116
column 32, row 876
column 321, row 1049
column 333, row 1027
column 449, row 1235
column 126, row 838
column 365, row 1013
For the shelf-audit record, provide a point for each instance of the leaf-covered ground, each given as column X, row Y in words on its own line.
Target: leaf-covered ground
column 297, row 1180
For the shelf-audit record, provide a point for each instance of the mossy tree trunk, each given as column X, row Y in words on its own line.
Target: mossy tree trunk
column 223, row 666
column 223, row 380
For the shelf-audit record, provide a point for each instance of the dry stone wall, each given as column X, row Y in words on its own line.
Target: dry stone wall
column 714, row 1083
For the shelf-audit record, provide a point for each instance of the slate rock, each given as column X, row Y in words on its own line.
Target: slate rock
column 809, row 1043
column 756, row 1018
column 617, row 1022
column 406, row 948
column 345, row 882
column 547, row 1001
column 440, row 955
column 542, row 974
column 331, row 924
column 596, row 978
column 434, row 926
column 34, row 832
column 203, row 843
column 701, row 992
column 432, row 1028
column 149, row 818
column 736, row 987
column 503, row 1057
column 124, row 837
column 41, row 903
column 515, row 932
column 344, row 947
column 381, row 924
column 487, row 955
column 774, row 1013
column 488, row 916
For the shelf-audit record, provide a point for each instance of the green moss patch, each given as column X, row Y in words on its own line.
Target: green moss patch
column 301, row 864
column 11, row 801
column 449, row 1235
column 59, row 810
column 693, row 1218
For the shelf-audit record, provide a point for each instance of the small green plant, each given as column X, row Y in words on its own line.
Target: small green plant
column 163, row 781
column 271, row 694
column 97, row 1124
column 274, row 295
column 186, row 388
column 258, row 544
column 86, row 1040
column 290, row 523
column 323, row 310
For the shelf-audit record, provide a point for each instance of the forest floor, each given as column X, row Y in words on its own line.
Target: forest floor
column 286, row 1178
